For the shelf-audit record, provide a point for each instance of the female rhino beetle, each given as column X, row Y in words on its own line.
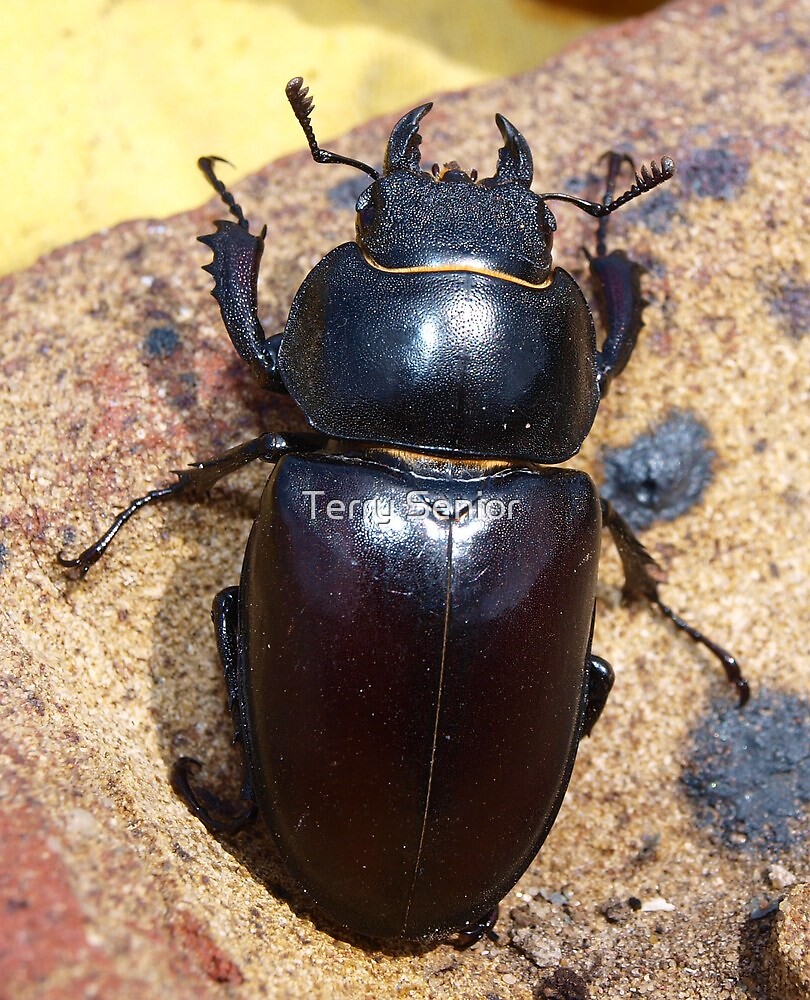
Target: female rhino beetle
column 408, row 653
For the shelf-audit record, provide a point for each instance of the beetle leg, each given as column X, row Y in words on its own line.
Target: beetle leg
column 600, row 682
column 235, row 269
column 225, row 615
column 472, row 932
column 214, row 813
column 617, row 283
column 615, row 164
column 641, row 578
column 195, row 482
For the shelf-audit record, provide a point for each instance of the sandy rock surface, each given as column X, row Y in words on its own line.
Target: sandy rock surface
column 686, row 820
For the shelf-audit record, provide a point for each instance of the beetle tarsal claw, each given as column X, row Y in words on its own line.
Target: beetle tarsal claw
column 216, row 814
column 472, row 932
column 81, row 563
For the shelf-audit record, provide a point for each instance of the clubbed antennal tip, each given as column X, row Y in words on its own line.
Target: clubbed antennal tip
column 646, row 179
column 303, row 105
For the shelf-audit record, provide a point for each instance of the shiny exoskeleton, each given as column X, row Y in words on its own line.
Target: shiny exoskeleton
column 408, row 653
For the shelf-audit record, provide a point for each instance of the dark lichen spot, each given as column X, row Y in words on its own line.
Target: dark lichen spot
column 749, row 772
column 563, row 984
column 657, row 213
column 649, row 846
column 791, row 303
column 800, row 82
column 763, row 906
column 345, row 193
column 715, row 172
column 661, row 474
column 717, row 10
column 616, row 911
column 161, row 342
column 37, row 704
column 3, row 556
column 186, row 399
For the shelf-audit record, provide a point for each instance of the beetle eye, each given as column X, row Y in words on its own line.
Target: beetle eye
column 367, row 213
column 366, row 210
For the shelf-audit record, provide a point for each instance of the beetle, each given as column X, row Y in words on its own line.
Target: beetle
column 408, row 653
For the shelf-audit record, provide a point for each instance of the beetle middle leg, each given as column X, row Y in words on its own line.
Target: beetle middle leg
column 195, row 482
column 215, row 814
column 640, row 582
column 472, row 932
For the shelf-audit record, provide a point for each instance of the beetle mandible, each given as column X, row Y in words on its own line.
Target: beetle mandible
column 408, row 653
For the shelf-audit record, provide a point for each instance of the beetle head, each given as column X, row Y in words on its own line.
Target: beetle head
column 447, row 219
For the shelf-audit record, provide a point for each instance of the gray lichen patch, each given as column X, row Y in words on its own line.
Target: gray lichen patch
column 661, row 474
column 748, row 775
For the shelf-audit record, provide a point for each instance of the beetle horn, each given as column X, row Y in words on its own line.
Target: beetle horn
column 514, row 157
column 403, row 146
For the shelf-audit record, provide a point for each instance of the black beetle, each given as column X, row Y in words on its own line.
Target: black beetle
column 408, row 654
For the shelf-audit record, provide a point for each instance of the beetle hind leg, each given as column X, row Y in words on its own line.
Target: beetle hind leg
column 216, row 814
column 640, row 581
column 225, row 615
column 600, row 682
column 471, row 933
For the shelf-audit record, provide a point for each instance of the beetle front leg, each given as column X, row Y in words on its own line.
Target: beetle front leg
column 640, row 582
column 195, row 482
column 617, row 282
column 235, row 269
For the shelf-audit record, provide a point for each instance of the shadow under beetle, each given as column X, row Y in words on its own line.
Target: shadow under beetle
column 408, row 653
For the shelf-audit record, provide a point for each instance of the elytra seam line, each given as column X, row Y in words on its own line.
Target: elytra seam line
column 435, row 721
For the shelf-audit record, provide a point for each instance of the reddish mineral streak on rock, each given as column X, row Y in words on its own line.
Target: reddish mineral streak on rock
column 41, row 922
column 198, row 949
column 126, row 661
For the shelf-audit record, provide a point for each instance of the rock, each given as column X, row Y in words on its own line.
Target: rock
column 117, row 369
column 789, row 955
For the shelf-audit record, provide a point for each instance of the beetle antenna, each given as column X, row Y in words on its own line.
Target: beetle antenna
column 646, row 180
column 302, row 105
column 206, row 164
